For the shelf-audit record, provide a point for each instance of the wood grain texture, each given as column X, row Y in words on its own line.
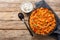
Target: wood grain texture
column 19, row 1
column 15, row 7
column 9, row 9
column 10, row 16
column 10, row 20
column 14, row 16
column 12, row 25
column 21, row 35
column 5, row 5
column 12, row 28
column 11, row 5
column 16, row 1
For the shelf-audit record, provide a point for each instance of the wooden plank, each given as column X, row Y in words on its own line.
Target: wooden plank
column 20, row 1
column 9, row 16
column 12, row 25
column 16, row 1
column 17, row 9
column 13, row 33
column 14, row 16
column 21, row 35
column 6, row 5
column 10, row 7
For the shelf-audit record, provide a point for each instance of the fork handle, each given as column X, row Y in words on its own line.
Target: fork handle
column 28, row 28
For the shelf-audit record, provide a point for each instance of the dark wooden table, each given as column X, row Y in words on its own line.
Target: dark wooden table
column 11, row 28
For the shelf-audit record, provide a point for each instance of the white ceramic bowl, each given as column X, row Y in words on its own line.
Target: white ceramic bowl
column 26, row 7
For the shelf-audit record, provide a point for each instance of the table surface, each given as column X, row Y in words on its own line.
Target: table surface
column 11, row 28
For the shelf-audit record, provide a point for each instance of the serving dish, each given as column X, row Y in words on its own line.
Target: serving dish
column 42, row 21
column 45, row 5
